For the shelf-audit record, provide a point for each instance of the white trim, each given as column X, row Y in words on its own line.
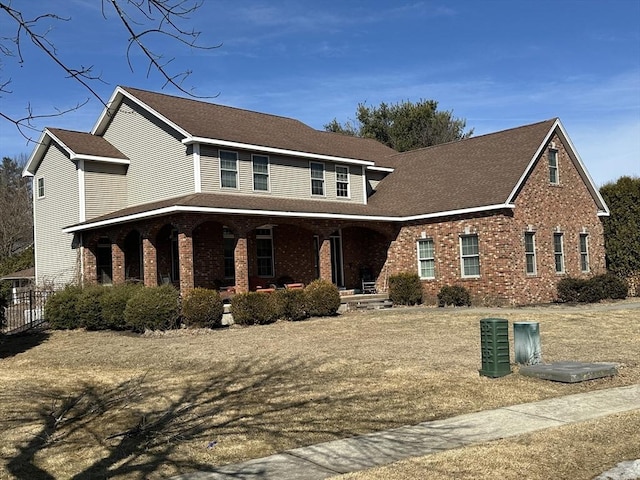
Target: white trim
column 95, row 158
column 278, row 151
column 462, row 256
column 532, row 233
column 274, row 213
column 381, row 169
column 82, row 199
column 197, row 176
column 365, row 181
column 114, row 103
column 420, row 259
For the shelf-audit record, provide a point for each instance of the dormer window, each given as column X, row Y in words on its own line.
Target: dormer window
column 553, row 166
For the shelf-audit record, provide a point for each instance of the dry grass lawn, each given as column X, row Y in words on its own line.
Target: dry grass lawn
column 96, row 404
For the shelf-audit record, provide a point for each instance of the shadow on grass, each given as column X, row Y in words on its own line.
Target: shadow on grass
column 140, row 423
column 11, row 345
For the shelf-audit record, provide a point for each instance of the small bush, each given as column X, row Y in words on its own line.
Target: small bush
column 254, row 308
column 613, row 287
column 154, row 308
column 114, row 301
column 60, row 309
column 202, row 307
column 405, row 289
column 455, row 295
column 89, row 308
column 291, row 304
column 592, row 290
column 322, row 298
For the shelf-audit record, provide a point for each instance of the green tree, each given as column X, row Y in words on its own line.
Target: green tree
column 16, row 224
column 404, row 126
column 622, row 227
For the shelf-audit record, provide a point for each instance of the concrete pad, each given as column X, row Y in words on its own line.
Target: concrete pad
column 570, row 372
column 584, row 406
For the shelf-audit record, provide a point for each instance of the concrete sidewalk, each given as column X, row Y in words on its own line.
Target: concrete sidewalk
column 358, row 453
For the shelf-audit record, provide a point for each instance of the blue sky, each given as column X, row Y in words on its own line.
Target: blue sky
column 496, row 63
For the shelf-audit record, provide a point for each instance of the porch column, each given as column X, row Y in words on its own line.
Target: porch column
column 89, row 274
column 241, row 261
column 185, row 256
column 149, row 261
column 326, row 272
column 117, row 264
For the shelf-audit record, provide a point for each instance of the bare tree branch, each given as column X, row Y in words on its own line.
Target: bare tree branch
column 144, row 20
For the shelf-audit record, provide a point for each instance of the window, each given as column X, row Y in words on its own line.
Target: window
column 553, row 167
column 103, row 261
column 530, row 252
column 41, row 187
column 229, row 245
column 558, row 252
column 264, row 252
column 317, row 178
column 426, row 258
column 228, row 169
column 470, row 256
column 342, row 181
column 260, row 173
column 584, row 252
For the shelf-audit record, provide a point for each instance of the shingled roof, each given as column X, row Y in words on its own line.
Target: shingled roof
column 83, row 143
column 218, row 122
column 476, row 172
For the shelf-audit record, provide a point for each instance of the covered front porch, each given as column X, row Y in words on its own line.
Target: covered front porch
column 244, row 253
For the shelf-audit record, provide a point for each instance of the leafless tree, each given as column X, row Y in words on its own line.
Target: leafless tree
column 141, row 19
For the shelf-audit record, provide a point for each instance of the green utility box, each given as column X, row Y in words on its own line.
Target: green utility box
column 494, row 344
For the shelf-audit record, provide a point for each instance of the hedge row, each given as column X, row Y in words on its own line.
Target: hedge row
column 592, row 290
column 137, row 308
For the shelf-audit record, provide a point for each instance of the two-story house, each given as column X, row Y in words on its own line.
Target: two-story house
column 167, row 189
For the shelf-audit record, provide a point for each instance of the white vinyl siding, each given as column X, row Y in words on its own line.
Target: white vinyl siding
column 160, row 165
column 426, row 258
column 105, row 188
column 57, row 255
column 469, row 256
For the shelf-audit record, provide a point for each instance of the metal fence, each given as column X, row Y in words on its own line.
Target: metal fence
column 26, row 311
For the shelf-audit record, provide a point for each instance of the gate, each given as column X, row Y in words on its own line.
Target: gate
column 26, row 311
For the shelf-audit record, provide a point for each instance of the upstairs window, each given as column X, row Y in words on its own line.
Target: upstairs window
column 530, row 252
column 584, row 252
column 228, row 169
column 553, row 166
column 470, row 256
column 342, row 181
column 40, row 187
column 558, row 252
column 426, row 258
column 260, row 173
column 317, row 178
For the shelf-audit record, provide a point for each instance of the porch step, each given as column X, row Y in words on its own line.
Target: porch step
column 366, row 302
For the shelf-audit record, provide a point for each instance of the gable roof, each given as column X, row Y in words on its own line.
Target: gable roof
column 203, row 122
column 475, row 173
column 78, row 145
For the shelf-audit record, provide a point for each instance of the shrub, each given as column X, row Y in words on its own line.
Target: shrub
column 613, row 286
column 291, row 304
column 114, row 301
column 154, row 308
column 202, row 307
column 405, row 289
column 89, row 308
column 254, row 308
column 570, row 289
column 60, row 309
column 322, row 298
column 455, row 295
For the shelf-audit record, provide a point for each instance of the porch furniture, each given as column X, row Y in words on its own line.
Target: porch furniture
column 368, row 281
column 294, row 286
